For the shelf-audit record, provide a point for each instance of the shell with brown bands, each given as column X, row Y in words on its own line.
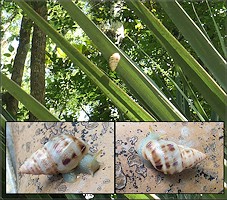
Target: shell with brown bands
column 59, row 155
column 166, row 156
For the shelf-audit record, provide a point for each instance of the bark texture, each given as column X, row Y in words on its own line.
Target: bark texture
column 38, row 58
column 19, row 62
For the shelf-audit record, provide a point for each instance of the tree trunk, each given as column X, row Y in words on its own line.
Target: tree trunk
column 38, row 58
column 19, row 61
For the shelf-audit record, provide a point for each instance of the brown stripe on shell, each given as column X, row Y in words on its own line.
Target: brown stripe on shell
column 73, row 138
column 175, row 163
column 168, row 157
column 145, row 156
column 66, row 143
column 55, row 145
column 66, row 161
column 80, row 144
column 83, row 148
column 42, row 157
column 158, row 164
column 157, row 160
column 35, row 167
column 74, row 155
column 149, row 145
column 155, row 155
column 171, row 147
column 52, row 169
column 158, row 167
column 60, row 149
column 167, row 165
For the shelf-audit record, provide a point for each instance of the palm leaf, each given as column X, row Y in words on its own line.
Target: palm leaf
column 36, row 108
column 205, row 84
column 199, row 42
column 143, row 88
column 125, row 103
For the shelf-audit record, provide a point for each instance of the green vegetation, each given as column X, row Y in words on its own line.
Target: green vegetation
column 171, row 68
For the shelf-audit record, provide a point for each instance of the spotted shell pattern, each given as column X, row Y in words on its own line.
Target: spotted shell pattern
column 168, row 157
column 114, row 60
column 61, row 154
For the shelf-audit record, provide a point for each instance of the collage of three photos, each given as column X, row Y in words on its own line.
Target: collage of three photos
column 115, row 157
column 120, row 99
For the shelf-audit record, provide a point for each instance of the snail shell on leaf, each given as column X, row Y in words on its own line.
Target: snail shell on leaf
column 166, row 156
column 61, row 154
column 114, row 60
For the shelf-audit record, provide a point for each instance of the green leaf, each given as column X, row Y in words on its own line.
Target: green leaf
column 142, row 87
column 192, row 96
column 3, row 121
column 36, row 108
column 199, row 42
column 188, row 100
column 218, row 32
column 10, row 48
column 73, row 196
column 6, row 114
column 137, row 196
column 7, row 54
column 205, row 84
column 60, row 53
column 125, row 103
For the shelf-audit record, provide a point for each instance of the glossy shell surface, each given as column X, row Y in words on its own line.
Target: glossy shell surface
column 59, row 155
column 168, row 157
column 114, row 60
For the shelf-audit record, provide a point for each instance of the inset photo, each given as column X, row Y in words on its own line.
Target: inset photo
column 60, row 157
column 169, row 157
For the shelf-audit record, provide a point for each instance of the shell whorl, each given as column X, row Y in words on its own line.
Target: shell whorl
column 59, row 155
column 166, row 156
column 114, row 60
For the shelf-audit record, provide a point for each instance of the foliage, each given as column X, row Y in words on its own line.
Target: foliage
column 78, row 92
column 139, row 44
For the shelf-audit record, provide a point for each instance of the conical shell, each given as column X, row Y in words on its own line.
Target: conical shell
column 190, row 156
column 59, row 155
column 168, row 157
column 114, row 60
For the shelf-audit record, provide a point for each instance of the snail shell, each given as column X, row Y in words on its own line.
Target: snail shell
column 114, row 60
column 166, row 156
column 59, row 155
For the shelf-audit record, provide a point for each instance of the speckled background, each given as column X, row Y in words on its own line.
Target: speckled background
column 132, row 176
column 29, row 136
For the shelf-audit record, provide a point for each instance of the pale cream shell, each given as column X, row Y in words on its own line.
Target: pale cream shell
column 59, row 155
column 168, row 157
column 114, row 60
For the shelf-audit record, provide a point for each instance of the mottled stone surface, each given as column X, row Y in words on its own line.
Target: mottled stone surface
column 29, row 136
column 132, row 176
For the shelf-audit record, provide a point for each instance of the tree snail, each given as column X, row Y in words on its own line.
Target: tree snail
column 166, row 156
column 61, row 154
column 114, row 60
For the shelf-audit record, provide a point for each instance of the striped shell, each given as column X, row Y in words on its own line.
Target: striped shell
column 166, row 156
column 59, row 155
column 114, row 60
